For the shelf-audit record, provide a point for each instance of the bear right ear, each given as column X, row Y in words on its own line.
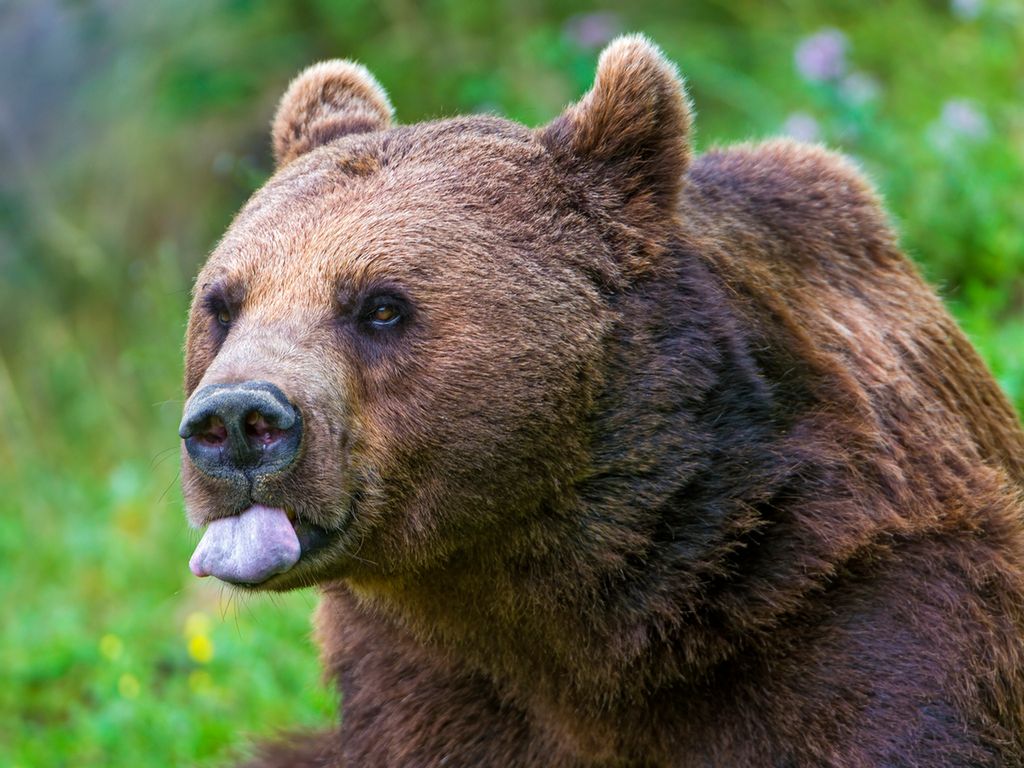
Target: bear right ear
column 326, row 101
column 631, row 132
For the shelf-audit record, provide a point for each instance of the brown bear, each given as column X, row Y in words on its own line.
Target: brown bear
column 600, row 453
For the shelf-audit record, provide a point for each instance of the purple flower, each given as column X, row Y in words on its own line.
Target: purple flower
column 802, row 127
column 966, row 9
column 822, row 56
column 858, row 89
column 590, row 31
column 961, row 118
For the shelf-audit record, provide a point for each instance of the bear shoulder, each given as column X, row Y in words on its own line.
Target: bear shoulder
column 800, row 202
column 801, row 233
column 785, row 171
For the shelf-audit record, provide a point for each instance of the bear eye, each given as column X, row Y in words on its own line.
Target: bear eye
column 385, row 314
column 380, row 313
column 222, row 302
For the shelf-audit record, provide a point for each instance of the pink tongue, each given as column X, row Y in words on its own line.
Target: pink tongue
column 247, row 548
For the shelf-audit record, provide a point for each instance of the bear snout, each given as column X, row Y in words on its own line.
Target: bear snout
column 249, row 428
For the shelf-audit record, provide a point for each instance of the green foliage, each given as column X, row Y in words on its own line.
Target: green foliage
column 134, row 133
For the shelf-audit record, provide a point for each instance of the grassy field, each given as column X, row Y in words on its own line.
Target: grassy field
column 134, row 132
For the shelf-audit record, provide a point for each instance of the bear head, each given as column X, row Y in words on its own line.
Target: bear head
column 396, row 350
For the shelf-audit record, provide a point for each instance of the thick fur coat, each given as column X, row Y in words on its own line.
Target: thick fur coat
column 657, row 460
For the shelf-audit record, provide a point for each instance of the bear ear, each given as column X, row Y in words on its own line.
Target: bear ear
column 326, row 101
column 632, row 128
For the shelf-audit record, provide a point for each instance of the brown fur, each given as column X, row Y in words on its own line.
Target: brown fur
column 330, row 100
column 673, row 461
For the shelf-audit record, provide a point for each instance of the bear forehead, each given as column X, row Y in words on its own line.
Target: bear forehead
column 475, row 155
column 409, row 200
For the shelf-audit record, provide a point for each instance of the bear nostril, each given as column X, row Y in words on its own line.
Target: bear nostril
column 212, row 432
column 259, row 430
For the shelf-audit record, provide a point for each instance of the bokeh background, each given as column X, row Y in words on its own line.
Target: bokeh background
column 131, row 131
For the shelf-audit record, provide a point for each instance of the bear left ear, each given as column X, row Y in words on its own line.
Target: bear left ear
column 326, row 101
column 632, row 128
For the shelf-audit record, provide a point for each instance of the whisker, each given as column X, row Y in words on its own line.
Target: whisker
column 161, row 456
column 177, row 476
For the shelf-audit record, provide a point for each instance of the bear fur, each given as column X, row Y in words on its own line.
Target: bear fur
column 668, row 460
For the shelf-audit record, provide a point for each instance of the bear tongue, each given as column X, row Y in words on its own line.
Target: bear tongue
column 248, row 548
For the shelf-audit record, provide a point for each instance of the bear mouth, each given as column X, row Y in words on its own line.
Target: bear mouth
column 256, row 546
column 312, row 538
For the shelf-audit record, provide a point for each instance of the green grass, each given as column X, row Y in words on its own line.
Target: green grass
column 140, row 133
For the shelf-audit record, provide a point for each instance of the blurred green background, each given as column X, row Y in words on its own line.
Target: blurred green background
column 130, row 133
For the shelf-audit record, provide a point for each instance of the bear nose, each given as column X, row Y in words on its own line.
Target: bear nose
column 250, row 427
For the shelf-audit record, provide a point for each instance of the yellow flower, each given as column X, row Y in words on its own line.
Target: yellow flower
column 111, row 647
column 200, row 648
column 128, row 686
